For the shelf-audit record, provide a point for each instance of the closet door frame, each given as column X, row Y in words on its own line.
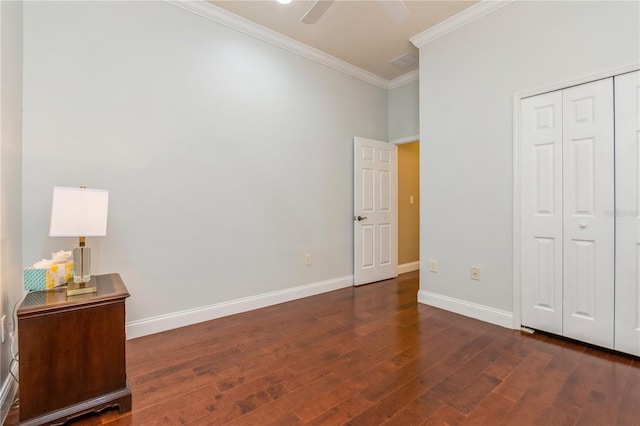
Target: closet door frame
column 517, row 174
column 627, row 315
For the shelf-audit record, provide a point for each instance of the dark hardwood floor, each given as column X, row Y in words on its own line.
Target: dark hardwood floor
column 367, row 356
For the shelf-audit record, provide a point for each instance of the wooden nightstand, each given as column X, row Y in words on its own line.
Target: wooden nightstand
column 72, row 353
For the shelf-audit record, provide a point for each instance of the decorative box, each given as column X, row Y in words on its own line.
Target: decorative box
column 47, row 278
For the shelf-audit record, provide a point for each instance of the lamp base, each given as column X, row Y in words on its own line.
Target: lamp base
column 74, row 289
column 81, row 262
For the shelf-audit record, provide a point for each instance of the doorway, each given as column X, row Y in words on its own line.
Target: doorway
column 408, row 207
column 386, row 209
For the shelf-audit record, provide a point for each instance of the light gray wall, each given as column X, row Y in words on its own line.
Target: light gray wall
column 467, row 79
column 404, row 118
column 227, row 158
column 10, row 175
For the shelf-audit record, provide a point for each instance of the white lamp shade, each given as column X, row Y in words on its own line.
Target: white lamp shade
column 79, row 212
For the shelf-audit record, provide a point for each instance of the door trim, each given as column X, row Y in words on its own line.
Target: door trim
column 517, row 164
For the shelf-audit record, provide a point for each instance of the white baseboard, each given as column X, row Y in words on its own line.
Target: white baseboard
column 7, row 395
column 468, row 309
column 160, row 323
column 408, row 267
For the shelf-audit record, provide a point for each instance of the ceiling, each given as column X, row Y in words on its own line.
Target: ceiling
column 359, row 32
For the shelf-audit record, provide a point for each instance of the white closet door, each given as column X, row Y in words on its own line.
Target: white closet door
column 627, row 316
column 588, row 204
column 541, row 249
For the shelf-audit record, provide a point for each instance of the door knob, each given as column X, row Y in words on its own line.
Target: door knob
column 359, row 218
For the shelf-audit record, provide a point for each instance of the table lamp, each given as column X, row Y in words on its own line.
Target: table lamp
column 79, row 212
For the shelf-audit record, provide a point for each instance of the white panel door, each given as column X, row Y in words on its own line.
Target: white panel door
column 588, row 204
column 375, row 222
column 541, row 249
column 627, row 316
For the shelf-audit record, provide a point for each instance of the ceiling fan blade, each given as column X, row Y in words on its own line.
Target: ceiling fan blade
column 396, row 9
column 316, row 11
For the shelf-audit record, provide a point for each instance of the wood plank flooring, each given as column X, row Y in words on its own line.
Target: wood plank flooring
column 370, row 355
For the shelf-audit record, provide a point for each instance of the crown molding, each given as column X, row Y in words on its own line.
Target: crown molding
column 407, row 78
column 467, row 16
column 228, row 19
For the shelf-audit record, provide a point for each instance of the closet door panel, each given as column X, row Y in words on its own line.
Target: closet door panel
column 588, row 205
column 541, row 249
column 627, row 313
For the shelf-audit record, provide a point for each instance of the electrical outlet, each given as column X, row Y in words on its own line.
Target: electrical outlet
column 307, row 259
column 433, row 265
column 475, row 273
